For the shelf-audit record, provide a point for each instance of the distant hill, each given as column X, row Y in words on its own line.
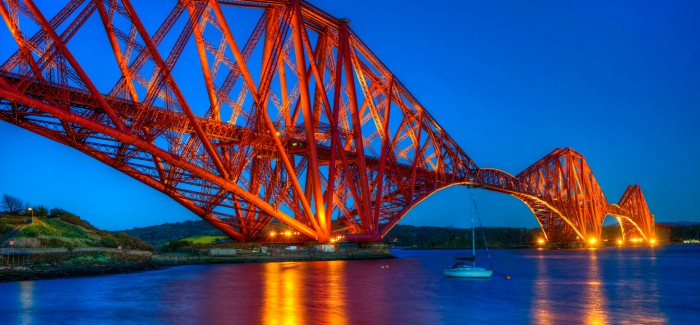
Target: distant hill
column 160, row 235
column 680, row 223
column 401, row 235
column 451, row 238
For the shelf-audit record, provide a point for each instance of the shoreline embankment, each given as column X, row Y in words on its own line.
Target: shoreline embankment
column 51, row 263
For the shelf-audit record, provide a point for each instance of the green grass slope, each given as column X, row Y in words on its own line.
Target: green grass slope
column 53, row 233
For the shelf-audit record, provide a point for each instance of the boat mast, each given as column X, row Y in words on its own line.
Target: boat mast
column 471, row 222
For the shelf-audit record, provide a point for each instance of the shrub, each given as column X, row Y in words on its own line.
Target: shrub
column 135, row 243
column 100, row 257
column 109, row 241
column 71, row 218
column 174, row 245
column 55, row 242
column 75, row 220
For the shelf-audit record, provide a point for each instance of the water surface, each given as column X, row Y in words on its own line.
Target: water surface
column 630, row 286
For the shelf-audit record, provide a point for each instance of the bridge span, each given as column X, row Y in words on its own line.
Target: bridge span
column 289, row 119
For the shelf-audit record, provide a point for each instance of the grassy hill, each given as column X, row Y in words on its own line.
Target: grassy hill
column 56, row 233
column 160, row 235
column 69, row 232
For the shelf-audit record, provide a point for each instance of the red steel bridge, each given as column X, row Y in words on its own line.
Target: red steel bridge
column 263, row 114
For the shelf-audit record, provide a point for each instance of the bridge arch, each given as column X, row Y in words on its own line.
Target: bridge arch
column 630, row 230
column 530, row 201
column 564, row 197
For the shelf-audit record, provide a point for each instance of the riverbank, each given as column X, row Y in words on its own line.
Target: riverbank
column 61, row 263
column 69, row 271
column 20, row 264
column 272, row 256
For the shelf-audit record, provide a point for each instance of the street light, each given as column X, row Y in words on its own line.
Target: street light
column 32, row 210
column 593, row 241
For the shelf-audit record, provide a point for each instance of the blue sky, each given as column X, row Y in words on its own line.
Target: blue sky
column 510, row 81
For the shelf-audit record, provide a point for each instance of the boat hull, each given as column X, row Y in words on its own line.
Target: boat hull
column 468, row 272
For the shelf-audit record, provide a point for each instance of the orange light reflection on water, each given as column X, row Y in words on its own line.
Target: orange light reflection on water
column 542, row 306
column 292, row 297
column 595, row 299
column 595, row 287
column 282, row 293
column 335, row 294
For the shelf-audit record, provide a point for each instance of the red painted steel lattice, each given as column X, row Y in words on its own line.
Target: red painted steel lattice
column 296, row 124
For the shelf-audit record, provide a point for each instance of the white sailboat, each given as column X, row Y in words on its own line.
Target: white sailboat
column 469, row 269
column 465, row 270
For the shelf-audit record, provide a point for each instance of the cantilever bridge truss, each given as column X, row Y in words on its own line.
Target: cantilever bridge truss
column 262, row 114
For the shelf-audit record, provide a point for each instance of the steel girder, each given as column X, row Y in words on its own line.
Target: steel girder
column 570, row 205
column 299, row 126
column 633, row 214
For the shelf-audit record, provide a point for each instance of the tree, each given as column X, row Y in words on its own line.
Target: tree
column 11, row 204
column 57, row 213
column 41, row 211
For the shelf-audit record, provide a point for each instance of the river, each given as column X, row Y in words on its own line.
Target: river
column 658, row 285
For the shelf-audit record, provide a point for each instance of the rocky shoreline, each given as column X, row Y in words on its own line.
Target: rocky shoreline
column 70, row 271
